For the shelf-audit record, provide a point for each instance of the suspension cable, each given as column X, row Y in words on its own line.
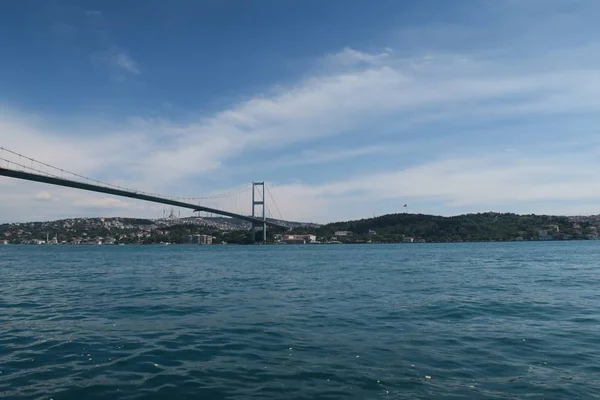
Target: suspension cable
column 274, row 203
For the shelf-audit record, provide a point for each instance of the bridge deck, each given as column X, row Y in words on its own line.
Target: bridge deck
column 126, row 193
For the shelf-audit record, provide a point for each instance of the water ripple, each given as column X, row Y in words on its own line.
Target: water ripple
column 482, row 321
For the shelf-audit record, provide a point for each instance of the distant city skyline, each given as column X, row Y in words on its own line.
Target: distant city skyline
column 346, row 109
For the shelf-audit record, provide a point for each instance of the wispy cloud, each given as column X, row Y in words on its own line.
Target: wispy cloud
column 490, row 182
column 43, row 196
column 102, row 203
column 334, row 105
column 464, row 107
column 111, row 55
column 321, row 156
column 93, row 13
column 350, row 57
column 121, row 59
column 118, row 61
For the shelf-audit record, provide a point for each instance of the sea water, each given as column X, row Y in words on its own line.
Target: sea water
column 430, row 321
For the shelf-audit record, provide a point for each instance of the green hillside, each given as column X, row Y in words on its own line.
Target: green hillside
column 468, row 227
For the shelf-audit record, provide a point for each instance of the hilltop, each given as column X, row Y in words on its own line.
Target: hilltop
column 391, row 228
column 488, row 226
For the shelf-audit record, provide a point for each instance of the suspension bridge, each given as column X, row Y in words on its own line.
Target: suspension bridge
column 19, row 166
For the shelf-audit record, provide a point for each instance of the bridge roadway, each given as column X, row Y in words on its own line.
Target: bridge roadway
column 127, row 193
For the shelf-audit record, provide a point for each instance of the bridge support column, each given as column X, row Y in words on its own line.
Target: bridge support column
column 261, row 203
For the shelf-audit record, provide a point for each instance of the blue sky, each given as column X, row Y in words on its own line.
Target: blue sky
column 346, row 108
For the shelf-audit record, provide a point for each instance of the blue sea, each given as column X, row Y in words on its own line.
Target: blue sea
column 414, row 321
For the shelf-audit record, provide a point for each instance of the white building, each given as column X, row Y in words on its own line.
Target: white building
column 205, row 239
column 200, row 239
column 298, row 239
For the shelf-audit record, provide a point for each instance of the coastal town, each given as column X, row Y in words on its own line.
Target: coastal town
column 392, row 228
column 110, row 231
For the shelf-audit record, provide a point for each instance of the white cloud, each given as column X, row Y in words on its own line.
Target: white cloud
column 86, row 153
column 319, row 156
column 93, row 13
column 480, row 180
column 123, row 60
column 110, row 53
column 505, row 181
column 21, row 202
column 102, row 203
column 362, row 92
column 43, row 196
column 350, row 57
column 118, row 60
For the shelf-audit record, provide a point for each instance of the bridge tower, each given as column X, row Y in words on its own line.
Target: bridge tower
column 261, row 203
